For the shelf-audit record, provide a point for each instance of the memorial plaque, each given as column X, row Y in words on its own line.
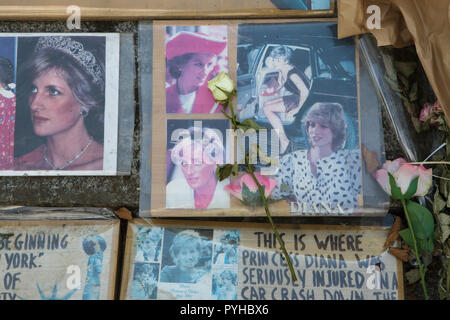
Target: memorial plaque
column 242, row 261
column 58, row 254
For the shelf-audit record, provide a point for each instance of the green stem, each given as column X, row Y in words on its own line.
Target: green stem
column 416, row 251
column 235, row 123
column 274, row 228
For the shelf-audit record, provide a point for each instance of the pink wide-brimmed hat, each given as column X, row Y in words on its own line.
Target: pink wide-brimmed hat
column 191, row 42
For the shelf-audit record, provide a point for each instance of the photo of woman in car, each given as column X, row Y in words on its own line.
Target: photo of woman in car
column 296, row 86
column 301, row 86
column 279, row 80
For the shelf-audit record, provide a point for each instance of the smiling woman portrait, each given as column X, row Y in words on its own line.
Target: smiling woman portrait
column 327, row 173
column 193, row 58
column 62, row 90
column 197, row 187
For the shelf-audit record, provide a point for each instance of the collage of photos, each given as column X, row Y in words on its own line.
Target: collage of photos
column 302, row 86
column 298, row 81
column 185, row 263
column 54, row 107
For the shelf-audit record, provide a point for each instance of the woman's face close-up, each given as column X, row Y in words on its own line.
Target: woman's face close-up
column 278, row 62
column 320, row 134
column 198, row 171
column 197, row 69
column 53, row 107
column 188, row 256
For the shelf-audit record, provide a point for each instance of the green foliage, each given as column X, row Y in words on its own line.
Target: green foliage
column 412, row 188
column 252, row 199
column 421, row 220
column 223, row 172
column 396, row 192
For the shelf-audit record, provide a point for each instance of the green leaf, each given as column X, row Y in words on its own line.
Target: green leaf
column 405, row 68
column 425, row 245
column 223, row 172
column 444, row 221
column 406, row 236
column 235, row 170
column 396, row 192
column 413, row 92
column 438, row 203
column 421, row 219
column 430, row 247
column 249, row 198
column 412, row 188
column 444, row 184
column 413, row 276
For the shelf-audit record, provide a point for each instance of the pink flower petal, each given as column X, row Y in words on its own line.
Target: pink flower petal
column 425, row 181
column 382, row 178
column 393, row 166
column 249, row 182
column 234, row 189
column 405, row 175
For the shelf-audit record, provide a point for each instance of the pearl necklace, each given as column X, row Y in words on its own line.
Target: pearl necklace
column 68, row 163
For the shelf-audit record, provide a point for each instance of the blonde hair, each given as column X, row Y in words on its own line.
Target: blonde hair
column 332, row 114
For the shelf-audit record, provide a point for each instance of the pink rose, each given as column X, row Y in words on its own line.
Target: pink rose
column 404, row 173
column 425, row 113
column 429, row 112
column 250, row 197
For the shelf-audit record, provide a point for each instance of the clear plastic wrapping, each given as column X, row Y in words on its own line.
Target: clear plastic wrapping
column 335, row 78
column 70, row 116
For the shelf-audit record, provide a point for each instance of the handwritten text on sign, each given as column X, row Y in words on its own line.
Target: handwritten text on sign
column 329, row 266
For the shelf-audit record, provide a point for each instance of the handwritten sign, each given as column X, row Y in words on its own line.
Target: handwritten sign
column 186, row 260
column 58, row 260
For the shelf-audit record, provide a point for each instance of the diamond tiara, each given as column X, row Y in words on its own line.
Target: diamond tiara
column 77, row 51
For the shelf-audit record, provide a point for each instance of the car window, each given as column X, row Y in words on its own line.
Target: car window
column 246, row 58
column 336, row 63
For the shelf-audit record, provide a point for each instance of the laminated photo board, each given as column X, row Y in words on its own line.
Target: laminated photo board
column 199, row 260
column 58, row 254
column 138, row 9
column 322, row 84
column 63, row 99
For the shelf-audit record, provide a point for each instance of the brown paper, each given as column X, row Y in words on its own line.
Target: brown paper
column 404, row 22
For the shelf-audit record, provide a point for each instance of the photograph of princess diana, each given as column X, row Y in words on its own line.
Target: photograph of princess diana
column 194, row 149
column 302, row 84
column 7, row 101
column 59, row 91
column 187, row 255
column 61, row 86
column 194, row 55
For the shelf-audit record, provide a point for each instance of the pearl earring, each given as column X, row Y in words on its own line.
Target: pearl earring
column 84, row 112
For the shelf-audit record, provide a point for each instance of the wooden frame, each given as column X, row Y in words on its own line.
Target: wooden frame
column 160, row 118
column 151, row 9
column 371, row 240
